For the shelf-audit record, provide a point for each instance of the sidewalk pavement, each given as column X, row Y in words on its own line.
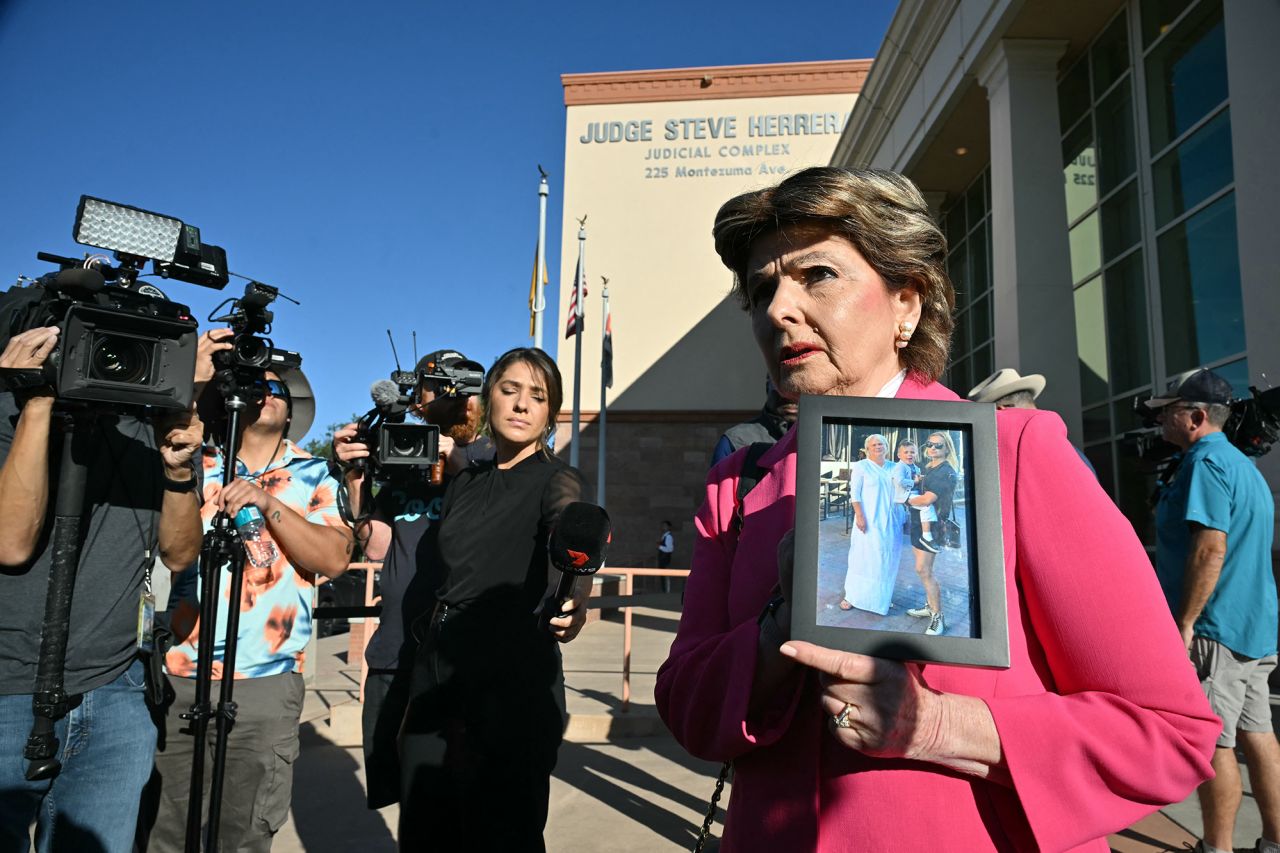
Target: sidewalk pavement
column 622, row 783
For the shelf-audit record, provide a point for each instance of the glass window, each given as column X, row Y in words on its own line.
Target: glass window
column 1126, row 309
column 1086, row 248
column 975, row 202
column 1125, row 418
column 1117, row 158
column 1079, row 171
column 1134, row 494
column 955, row 224
column 1073, row 94
column 1158, row 16
column 978, row 269
column 981, row 367
column 959, row 274
column 1200, row 287
column 1237, row 373
column 980, row 323
column 1121, row 225
column 1186, row 75
column 961, row 342
column 1091, row 341
column 1100, row 456
column 1097, row 424
column 1200, row 166
column 1110, row 56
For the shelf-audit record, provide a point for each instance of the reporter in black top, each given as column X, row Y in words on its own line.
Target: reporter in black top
column 486, row 711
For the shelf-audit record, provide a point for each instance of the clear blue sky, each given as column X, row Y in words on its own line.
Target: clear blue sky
column 376, row 161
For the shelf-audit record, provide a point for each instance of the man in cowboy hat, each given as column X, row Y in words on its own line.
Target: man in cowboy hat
column 1214, row 529
column 297, row 499
column 1010, row 390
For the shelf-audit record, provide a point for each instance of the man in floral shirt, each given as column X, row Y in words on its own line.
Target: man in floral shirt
column 297, row 498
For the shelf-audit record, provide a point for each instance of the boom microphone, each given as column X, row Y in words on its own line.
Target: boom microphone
column 577, row 547
column 386, row 396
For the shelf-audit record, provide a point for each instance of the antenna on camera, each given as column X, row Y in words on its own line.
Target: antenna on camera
column 394, row 354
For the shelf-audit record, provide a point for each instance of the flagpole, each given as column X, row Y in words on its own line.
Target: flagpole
column 604, row 333
column 540, row 298
column 577, row 343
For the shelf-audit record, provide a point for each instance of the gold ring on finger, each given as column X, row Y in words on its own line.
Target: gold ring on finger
column 842, row 720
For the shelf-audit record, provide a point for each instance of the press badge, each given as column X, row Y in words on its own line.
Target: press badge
column 146, row 622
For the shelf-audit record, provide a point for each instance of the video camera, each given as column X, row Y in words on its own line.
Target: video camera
column 398, row 449
column 251, row 353
column 1253, row 427
column 121, row 344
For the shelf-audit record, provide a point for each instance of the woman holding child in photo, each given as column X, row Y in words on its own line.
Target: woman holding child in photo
column 936, row 488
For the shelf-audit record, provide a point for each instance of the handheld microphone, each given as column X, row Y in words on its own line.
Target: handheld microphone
column 577, row 547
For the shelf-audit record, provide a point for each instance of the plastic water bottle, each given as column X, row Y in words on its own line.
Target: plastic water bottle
column 260, row 548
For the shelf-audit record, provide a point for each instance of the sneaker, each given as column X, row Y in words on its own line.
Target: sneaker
column 927, row 545
column 937, row 625
column 921, row 612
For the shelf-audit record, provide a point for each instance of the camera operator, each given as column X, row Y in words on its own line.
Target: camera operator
column 400, row 530
column 297, row 499
column 140, row 495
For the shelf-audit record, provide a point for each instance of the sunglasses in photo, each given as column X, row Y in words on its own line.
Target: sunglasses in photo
column 936, row 445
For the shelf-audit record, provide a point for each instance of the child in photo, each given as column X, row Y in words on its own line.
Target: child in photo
column 906, row 483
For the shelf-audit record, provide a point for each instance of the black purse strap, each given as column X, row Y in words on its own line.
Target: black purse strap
column 705, row 833
column 748, row 478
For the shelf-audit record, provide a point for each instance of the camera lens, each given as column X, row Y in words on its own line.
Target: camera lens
column 119, row 359
column 406, row 443
column 252, row 352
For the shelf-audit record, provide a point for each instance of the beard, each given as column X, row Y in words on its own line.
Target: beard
column 454, row 418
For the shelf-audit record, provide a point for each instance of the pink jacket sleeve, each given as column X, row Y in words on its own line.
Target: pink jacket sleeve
column 1126, row 728
column 704, row 687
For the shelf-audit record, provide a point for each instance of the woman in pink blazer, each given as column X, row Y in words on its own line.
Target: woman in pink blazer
column 1098, row 721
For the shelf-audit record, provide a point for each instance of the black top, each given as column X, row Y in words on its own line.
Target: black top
column 942, row 482
column 494, row 529
column 121, row 513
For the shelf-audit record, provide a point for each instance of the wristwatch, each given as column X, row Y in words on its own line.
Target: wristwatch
column 181, row 486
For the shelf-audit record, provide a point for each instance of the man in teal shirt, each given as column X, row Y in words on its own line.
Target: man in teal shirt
column 1214, row 525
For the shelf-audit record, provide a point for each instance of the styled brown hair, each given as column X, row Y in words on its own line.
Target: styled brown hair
column 541, row 364
column 883, row 215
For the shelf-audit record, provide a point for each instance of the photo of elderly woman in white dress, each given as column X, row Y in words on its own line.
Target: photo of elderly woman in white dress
column 875, row 542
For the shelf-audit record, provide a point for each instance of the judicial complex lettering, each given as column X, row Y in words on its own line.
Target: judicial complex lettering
column 745, row 142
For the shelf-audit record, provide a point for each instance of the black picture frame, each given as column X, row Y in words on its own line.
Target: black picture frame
column 971, row 574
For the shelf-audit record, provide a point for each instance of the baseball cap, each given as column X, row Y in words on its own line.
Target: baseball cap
column 433, row 361
column 1195, row 386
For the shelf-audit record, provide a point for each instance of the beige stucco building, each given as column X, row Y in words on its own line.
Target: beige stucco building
column 649, row 158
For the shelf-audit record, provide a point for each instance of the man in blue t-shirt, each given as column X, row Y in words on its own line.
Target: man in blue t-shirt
column 1214, row 526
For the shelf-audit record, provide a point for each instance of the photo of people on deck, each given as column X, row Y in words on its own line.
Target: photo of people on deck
column 894, row 550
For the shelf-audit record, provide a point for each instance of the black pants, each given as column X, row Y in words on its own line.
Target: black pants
column 386, row 693
column 484, row 722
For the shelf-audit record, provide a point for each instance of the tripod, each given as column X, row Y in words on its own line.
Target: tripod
column 50, row 701
column 221, row 547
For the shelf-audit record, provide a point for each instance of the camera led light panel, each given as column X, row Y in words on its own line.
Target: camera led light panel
column 129, row 230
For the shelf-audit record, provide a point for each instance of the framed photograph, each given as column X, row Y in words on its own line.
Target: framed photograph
column 899, row 550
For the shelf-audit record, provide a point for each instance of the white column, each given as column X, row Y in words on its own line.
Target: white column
column 1252, row 31
column 1034, row 311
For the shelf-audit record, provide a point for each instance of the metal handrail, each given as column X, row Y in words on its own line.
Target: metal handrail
column 628, row 576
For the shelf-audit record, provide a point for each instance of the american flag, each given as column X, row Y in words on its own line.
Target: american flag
column 574, row 324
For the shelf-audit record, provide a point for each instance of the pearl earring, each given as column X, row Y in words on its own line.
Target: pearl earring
column 905, row 329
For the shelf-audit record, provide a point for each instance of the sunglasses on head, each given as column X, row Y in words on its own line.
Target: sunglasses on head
column 274, row 387
column 936, row 445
